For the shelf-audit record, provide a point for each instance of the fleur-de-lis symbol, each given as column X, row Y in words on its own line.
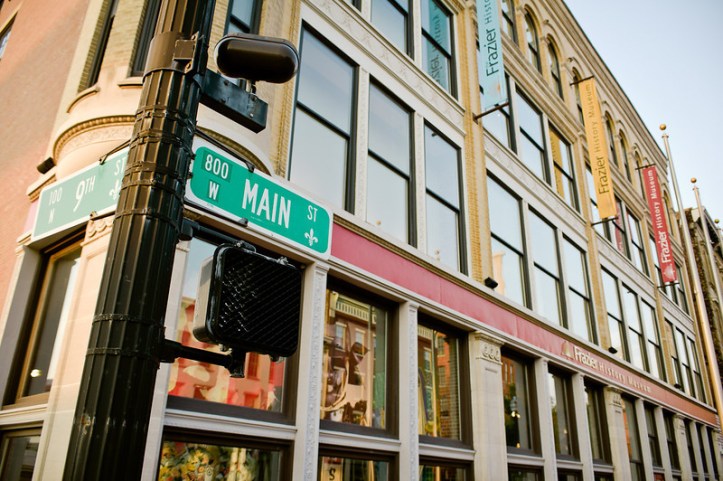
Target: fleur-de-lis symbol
column 115, row 190
column 311, row 237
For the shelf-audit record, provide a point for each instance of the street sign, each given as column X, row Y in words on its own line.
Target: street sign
column 70, row 201
column 224, row 185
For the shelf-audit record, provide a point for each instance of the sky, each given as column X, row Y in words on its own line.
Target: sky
column 667, row 55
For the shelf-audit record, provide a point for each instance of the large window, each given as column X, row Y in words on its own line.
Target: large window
column 579, row 311
column 609, row 129
column 531, row 142
column 564, row 171
column 632, row 435
column 355, row 363
column 321, row 154
column 616, row 325
column 391, row 17
column 148, row 27
column 243, row 16
column 18, row 451
column 637, row 251
column 437, row 43
column 508, row 18
column 684, row 359
column 389, row 171
column 498, row 123
column 652, row 335
column 445, row 228
column 597, row 425
column 438, row 383
column 102, row 35
column 624, row 155
column 548, row 299
column 561, row 411
column 533, row 42
column 689, row 433
column 553, row 64
column 335, row 467
column 653, row 436
column 670, row 440
column 516, row 379
column 36, row 368
column 636, row 341
column 189, row 460
column 192, row 382
column 697, row 377
column 508, row 254
column 433, row 471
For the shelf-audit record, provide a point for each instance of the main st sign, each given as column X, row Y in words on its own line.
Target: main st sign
column 219, row 183
column 224, row 185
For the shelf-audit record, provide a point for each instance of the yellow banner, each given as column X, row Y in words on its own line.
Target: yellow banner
column 598, row 149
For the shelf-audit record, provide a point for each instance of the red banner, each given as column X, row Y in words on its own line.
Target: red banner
column 660, row 225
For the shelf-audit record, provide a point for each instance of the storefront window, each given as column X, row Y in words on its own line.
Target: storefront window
column 560, row 410
column 518, row 426
column 595, row 404
column 263, row 388
column 438, row 384
column 432, row 472
column 49, row 322
column 335, row 468
column 354, row 376
column 524, row 474
column 632, row 435
column 193, row 461
column 17, row 456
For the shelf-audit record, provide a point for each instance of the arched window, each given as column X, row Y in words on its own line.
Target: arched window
column 508, row 18
column 611, row 140
column 624, row 156
column 576, row 88
column 554, row 65
column 533, row 42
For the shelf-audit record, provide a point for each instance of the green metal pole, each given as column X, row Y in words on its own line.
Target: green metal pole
column 111, row 419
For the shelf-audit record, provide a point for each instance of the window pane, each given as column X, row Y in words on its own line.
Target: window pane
column 579, row 322
column 610, row 289
column 442, row 167
column 391, row 22
column 18, row 458
column 430, row 472
column 436, row 23
column 505, row 221
column 564, row 178
column 436, row 64
column 544, row 244
column 595, row 404
column 530, row 119
column 335, row 468
column 518, row 428
column 521, row 474
column 243, row 11
column 354, row 382
column 191, row 461
column 389, row 129
column 325, row 82
column 263, row 388
column 387, row 199
column 319, row 159
column 560, row 411
column 498, row 124
column 508, row 269
column 443, row 233
column 438, row 384
column 548, row 296
column 50, row 322
column 532, row 156
column 575, row 267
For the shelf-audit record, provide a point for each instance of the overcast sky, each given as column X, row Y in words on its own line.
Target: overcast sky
column 667, row 55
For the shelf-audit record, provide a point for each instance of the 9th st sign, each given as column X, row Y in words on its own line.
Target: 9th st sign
column 225, row 186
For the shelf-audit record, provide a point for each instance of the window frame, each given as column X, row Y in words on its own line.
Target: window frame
column 569, row 407
column 532, row 429
column 559, row 168
column 532, row 42
column 428, row 39
column 523, row 134
column 349, row 180
column 34, row 321
column 553, row 64
column 508, row 19
column 143, row 44
column 406, row 14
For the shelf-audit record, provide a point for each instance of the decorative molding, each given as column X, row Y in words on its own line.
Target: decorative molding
column 98, row 227
column 489, row 347
column 95, row 130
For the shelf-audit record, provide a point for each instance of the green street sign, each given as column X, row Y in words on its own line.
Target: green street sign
column 70, row 201
column 224, row 185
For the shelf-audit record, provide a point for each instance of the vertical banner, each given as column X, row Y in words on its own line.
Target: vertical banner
column 489, row 61
column 660, row 225
column 598, row 149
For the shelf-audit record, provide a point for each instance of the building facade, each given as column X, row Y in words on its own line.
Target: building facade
column 474, row 318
